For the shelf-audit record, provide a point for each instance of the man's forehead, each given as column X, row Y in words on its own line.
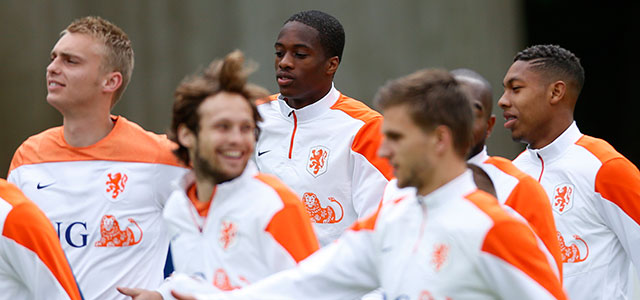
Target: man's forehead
column 298, row 33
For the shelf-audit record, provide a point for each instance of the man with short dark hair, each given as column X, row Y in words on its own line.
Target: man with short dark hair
column 101, row 179
column 446, row 240
column 318, row 141
column 513, row 187
column 593, row 189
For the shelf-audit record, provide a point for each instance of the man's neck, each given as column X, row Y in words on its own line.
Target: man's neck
column 299, row 103
column 442, row 175
column 553, row 131
column 204, row 189
column 86, row 130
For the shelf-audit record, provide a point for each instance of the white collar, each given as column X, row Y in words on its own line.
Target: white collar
column 569, row 137
column 313, row 110
column 479, row 158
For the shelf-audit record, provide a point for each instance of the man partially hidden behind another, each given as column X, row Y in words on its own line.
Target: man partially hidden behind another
column 101, row 179
column 594, row 190
column 446, row 240
column 320, row 142
column 514, row 188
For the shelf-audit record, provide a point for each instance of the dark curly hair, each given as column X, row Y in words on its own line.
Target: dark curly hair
column 330, row 31
column 555, row 61
column 229, row 75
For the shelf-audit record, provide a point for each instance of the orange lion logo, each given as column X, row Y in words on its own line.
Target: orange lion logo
column 112, row 236
column 317, row 160
column 221, row 281
column 440, row 253
column 115, row 184
column 562, row 196
column 227, row 234
column 571, row 253
column 321, row 214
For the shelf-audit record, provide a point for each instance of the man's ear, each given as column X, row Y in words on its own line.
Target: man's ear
column 186, row 137
column 332, row 65
column 443, row 138
column 557, row 91
column 490, row 123
column 112, row 82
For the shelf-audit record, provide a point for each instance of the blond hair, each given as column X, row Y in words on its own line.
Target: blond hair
column 119, row 54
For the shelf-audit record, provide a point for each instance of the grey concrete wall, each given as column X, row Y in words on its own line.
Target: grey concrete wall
column 385, row 39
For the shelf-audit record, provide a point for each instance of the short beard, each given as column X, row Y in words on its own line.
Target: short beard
column 477, row 148
column 204, row 169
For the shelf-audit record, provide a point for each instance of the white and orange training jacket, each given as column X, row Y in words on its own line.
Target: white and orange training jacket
column 595, row 197
column 524, row 195
column 454, row 243
column 105, row 202
column 327, row 153
column 32, row 264
column 254, row 226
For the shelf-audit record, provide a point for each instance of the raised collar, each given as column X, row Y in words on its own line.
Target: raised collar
column 549, row 152
column 310, row 111
column 456, row 188
column 479, row 158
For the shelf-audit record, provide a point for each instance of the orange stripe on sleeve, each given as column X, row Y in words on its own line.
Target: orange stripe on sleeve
column 291, row 226
column 29, row 227
column 618, row 180
column 369, row 137
column 529, row 199
column 127, row 141
column 514, row 243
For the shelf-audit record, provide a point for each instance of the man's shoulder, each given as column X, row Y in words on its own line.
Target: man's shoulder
column 356, row 109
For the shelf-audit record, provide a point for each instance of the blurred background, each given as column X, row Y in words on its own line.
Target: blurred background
column 384, row 40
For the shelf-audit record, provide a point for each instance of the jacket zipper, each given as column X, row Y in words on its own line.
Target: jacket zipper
column 293, row 134
column 542, row 170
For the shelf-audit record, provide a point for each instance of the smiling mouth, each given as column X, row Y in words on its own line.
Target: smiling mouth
column 233, row 154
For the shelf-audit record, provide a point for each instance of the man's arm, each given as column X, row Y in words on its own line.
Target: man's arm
column 618, row 187
column 371, row 173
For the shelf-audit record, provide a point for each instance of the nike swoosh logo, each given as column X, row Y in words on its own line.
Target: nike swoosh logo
column 263, row 152
column 43, row 186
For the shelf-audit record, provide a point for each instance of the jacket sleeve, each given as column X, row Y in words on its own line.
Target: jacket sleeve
column 371, row 173
column 30, row 246
column 514, row 265
column 345, row 269
column 290, row 234
column 617, row 186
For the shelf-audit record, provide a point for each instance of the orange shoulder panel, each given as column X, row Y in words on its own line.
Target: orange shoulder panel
column 369, row 137
column 369, row 223
column 29, row 227
column 127, row 141
column 618, row 180
column 529, row 199
column 291, row 226
column 513, row 242
column 267, row 99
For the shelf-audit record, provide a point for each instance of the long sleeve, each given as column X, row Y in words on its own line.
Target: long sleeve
column 344, row 269
column 371, row 173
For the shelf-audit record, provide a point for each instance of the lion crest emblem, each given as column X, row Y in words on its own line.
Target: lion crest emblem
column 562, row 198
column 318, row 158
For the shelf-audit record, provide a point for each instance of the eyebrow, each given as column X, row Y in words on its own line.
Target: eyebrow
column 294, row 45
column 510, row 81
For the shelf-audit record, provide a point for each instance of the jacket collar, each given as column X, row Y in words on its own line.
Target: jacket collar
column 549, row 152
column 479, row 158
column 311, row 111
